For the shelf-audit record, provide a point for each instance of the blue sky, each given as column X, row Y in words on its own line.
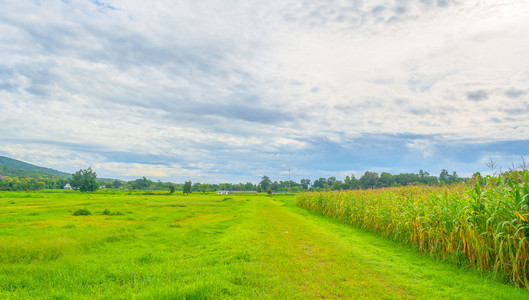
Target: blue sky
column 228, row 91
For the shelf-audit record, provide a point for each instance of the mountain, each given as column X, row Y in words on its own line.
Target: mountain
column 12, row 167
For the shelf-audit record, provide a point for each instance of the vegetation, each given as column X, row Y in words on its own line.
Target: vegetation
column 85, row 180
column 172, row 188
column 14, row 168
column 30, row 177
column 85, row 212
column 13, row 172
column 484, row 227
column 187, row 188
column 204, row 246
column 31, row 184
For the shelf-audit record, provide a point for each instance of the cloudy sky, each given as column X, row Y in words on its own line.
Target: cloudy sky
column 228, row 91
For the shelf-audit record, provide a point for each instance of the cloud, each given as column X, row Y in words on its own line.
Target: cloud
column 477, row 95
column 231, row 91
column 514, row 94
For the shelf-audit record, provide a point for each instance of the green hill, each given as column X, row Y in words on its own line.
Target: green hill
column 12, row 167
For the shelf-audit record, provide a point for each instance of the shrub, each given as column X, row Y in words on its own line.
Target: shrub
column 107, row 212
column 82, row 212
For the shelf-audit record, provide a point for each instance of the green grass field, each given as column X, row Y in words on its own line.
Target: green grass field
column 208, row 246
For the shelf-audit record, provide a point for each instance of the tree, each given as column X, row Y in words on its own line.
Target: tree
column 352, row 182
column 249, row 186
column 477, row 177
column 141, row 183
column 305, row 184
column 187, row 187
column 172, row 188
column 320, row 183
column 85, row 180
column 338, row 185
column 454, row 177
column 369, row 180
column 274, row 186
column 444, row 176
column 265, row 182
column 116, row 184
column 386, row 179
column 204, row 188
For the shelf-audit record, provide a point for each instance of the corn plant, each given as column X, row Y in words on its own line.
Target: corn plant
column 484, row 226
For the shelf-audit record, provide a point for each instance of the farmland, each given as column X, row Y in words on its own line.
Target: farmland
column 485, row 227
column 63, row 245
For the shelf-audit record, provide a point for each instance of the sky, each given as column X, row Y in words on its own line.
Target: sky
column 229, row 91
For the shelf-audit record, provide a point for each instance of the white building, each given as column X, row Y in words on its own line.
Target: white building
column 67, row 187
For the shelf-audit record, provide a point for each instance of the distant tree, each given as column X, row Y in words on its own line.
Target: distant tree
column 187, row 188
column 196, row 187
column 431, row 180
column 477, row 177
column 305, row 184
column 275, row 186
column 85, row 180
column 265, row 182
column 320, row 183
column 116, row 184
column 444, row 176
column 338, row 185
column 141, row 183
column 454, row 178
column 369, row 180
column 172, row 188
column 386, row 179
column 249, row 186
column 204, row 188
column 269, row 191
column 352, row 182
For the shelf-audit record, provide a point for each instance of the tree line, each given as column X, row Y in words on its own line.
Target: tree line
column 24, row 183
column 86, row 180
column 369, row 180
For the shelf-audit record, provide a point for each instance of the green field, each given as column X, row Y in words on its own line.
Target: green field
column 158, row 246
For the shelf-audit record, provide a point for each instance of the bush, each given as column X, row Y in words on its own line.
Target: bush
column 107, row 212
column 82, row 212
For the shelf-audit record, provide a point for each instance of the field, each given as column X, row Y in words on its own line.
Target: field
column 485, row 227
column 160, row 246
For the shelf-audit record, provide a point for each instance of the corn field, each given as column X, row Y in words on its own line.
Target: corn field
column 485, row 226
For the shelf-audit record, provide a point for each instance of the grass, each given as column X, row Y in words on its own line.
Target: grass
column 206, row 246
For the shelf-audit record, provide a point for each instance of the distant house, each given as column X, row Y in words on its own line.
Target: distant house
column 2, row 177
column 67, row 187
column 223, row 192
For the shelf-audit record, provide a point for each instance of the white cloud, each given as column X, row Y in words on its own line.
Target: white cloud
column 212, row 83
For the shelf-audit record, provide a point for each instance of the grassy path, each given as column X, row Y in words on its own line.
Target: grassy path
column 207, row 246
column 318, row 257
